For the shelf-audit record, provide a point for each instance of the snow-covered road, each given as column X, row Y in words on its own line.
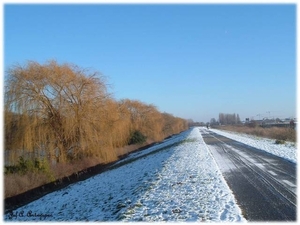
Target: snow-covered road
column 264, row 184
column 286, row 151
column 177, row 180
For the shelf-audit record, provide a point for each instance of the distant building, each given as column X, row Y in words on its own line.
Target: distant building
column 278, row 123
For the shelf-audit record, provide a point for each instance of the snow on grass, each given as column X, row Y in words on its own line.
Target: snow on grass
column 188, row 188
column 287, row 150
column 177, row 180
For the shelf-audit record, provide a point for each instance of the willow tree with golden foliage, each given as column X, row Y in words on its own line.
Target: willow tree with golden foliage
column 66, row 112
column 173, row 125
column 144, row 118
column 58, row 109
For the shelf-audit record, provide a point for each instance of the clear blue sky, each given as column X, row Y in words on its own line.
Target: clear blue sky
column 193, row 61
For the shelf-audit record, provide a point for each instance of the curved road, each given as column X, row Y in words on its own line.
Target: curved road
column 264, row 185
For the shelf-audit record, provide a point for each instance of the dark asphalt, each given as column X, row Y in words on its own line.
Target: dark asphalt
column 264, row 185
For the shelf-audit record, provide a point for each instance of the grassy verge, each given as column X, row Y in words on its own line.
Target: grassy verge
column 27, row 175
column 22, row 188
column 279, row 133
column 27, row 179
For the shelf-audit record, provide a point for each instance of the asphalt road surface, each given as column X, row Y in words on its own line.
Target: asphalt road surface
column 264, row 185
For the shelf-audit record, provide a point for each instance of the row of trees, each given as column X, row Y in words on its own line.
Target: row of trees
column 229, row 119
column 66, row 113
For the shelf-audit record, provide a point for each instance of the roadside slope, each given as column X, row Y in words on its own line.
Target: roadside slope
column 179, row 183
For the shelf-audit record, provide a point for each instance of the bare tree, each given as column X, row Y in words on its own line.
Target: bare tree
column 226, row 118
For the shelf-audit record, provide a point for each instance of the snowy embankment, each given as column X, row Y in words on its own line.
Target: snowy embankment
column 287, row 150
column 177, row 180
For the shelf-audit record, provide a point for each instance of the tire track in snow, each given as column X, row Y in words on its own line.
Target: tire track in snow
column 257, row 178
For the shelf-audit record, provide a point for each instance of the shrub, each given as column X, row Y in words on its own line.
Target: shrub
column 279, row 142
column 137, row 138
column 24, row 165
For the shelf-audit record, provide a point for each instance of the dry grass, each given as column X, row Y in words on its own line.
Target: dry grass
column 66, row 169
column 16, row 183
column 278, row 133
column 129, row 148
